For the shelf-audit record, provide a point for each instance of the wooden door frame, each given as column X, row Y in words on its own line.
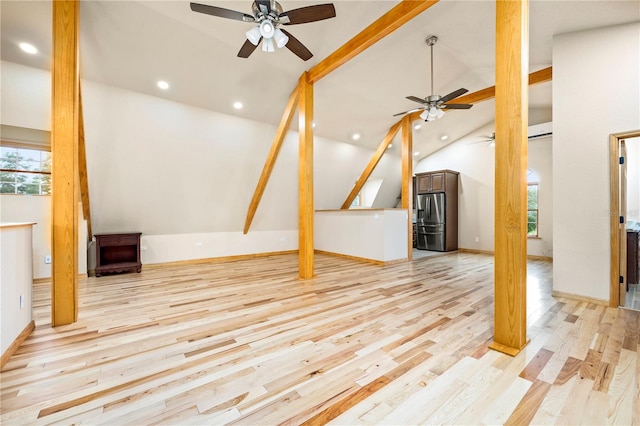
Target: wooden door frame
column 615, row 213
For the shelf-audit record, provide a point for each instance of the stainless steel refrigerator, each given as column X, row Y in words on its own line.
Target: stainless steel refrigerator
column 431, row 221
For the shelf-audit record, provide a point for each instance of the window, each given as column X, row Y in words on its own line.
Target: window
column 356, row 201
column 532, row 204
column 25, row 171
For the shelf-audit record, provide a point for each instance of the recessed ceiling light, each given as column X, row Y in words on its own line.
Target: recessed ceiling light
column 313, row 124
column 416, row 153
column 355, row 136
column 417, row 126
column 390, row 145
column 237, row 105
column 29, row 48
column 163, row 84
column 444, row 137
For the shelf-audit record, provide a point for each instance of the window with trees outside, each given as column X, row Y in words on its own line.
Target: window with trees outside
column 25, row 171
column 532, row 204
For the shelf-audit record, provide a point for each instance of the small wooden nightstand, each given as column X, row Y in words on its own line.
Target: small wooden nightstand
column 118, row 252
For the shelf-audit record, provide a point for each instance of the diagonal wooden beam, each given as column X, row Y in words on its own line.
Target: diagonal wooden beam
column 537, row 77
column 383, row 26
column 82, row 169
column 64, row 149
column 382, row 148
column 285, row 122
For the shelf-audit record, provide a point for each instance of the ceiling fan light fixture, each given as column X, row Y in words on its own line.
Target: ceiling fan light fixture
column 267, row 45
column 280, row 38
column 439, row 113
column 424, row 115
column 253, row 35
column 267, row 29
column 433, row 114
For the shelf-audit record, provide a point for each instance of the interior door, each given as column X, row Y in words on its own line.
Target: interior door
column 623, row 225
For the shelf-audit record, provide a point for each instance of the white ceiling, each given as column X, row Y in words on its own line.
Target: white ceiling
column 132, row 44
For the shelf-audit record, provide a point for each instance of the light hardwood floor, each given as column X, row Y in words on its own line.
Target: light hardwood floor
column 245, row 342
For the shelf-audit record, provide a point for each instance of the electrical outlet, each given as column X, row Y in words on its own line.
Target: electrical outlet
column 21, row 301
column 47, row 259
column 477, row 240
column 198, row 244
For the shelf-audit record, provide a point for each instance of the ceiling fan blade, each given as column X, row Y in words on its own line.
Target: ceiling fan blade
column 416, row 99
column 458, row 106
column 220, row 12
column 297, row 48
column 307, row 14
column 408, row 112
column 452, row 95
column 247, row 48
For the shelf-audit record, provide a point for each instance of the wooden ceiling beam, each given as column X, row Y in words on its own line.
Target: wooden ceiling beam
column 382, row 148
column 283, row 127
column 380, row 28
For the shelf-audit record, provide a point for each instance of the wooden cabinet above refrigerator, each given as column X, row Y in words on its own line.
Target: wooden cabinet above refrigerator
column 437, row 181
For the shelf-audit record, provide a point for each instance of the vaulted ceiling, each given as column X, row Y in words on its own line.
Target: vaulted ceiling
column 132, row 44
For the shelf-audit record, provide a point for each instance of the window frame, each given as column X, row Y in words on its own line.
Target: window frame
column 536, row 210
column 17, row 171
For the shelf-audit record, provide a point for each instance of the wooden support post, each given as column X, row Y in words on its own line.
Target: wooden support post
column 407, row 176
column 512, row 41
column 82, row 170
column 382, row 148
column 305, row 177
column 285, row 121
column 64, row 148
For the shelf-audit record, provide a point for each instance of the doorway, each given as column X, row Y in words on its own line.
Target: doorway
column 625, row 218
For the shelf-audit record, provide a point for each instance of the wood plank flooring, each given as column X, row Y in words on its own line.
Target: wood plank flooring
column 247, row 343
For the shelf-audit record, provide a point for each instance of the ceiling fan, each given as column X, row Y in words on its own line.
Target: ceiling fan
column 433, row 105
column 490, row 140
column 269, row 15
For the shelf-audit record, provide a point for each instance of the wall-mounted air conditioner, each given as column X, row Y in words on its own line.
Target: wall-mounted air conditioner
column 542, row 130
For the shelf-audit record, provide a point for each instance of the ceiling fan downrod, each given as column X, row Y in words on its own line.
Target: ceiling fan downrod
column 430, row 42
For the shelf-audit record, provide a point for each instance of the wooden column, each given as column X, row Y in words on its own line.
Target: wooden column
column 64, row 148
column 407, row 175
column 512, row 40
column 305, row 177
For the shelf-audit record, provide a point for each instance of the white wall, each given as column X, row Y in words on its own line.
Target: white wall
column 26, row 96
column 179, row 173
column 596, row 91
column 16, row 280
column 476, row 190
column 375, row 234
column 37, row 208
